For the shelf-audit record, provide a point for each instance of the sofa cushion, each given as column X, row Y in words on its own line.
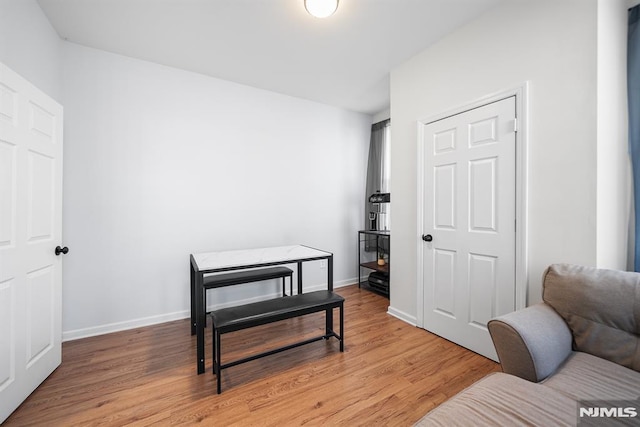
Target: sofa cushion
column 601, row 307
column 587, row 377
column 504, row 400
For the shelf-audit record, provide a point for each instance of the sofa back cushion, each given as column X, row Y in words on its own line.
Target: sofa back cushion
column 601, row 307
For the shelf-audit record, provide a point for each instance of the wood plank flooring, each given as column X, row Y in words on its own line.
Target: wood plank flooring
column 390, row 374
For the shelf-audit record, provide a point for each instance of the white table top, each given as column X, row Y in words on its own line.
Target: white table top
column 255, row 257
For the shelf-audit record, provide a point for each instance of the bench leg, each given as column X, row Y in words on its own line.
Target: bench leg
column 329, row 322
column 329, row 325
column 216, row 361
column 213, row 348
column 284, row 278
column 328, row 317
column 341, row 328
column 216, row 357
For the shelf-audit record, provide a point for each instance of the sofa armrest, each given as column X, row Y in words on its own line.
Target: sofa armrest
column 531, row 343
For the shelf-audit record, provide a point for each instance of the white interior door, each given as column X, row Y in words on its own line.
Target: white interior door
column 469, row 218
column 30, row 230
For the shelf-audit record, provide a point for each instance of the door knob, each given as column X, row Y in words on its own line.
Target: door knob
column 427, row 237
column 60, row 250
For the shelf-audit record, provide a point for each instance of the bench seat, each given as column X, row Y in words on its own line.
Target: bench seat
column 245, row 276
column 260, row 313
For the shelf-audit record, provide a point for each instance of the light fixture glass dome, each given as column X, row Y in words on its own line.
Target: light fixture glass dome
column 321, row 8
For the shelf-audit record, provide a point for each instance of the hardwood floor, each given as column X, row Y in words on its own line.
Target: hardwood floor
column 389, row 374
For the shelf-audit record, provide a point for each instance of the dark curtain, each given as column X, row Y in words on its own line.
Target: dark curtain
column 633, row 84
column 376, row 170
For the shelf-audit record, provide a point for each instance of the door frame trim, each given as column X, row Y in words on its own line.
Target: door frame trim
column 521, row 94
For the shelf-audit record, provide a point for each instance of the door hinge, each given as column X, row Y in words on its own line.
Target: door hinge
column 515, row 125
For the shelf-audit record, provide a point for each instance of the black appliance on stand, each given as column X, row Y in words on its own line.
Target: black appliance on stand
column 378, row 213
column 376, row 239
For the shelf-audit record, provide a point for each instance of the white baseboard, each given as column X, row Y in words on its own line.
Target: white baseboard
column 402, row 316
column 178, row 315
column 123, row 326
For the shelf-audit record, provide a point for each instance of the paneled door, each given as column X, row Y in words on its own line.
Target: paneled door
column 30, row 230
column 469, row 213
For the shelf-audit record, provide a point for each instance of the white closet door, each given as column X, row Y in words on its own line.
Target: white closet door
column 469, row 223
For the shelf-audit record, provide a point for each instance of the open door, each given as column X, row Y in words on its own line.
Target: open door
column 30, row 230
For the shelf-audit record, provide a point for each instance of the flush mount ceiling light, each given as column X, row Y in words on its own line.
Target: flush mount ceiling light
column 321, row 8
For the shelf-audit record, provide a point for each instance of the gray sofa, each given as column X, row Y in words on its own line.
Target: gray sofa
column 579, row 348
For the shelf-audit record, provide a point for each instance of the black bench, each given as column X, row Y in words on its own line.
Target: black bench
column 260, row 313
column 247, row 276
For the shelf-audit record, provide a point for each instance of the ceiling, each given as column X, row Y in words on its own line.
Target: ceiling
column 343, row 60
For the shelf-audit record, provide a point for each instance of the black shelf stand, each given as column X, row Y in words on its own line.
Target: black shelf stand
column 374, row 256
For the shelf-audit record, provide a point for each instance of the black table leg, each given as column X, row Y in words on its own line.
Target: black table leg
column 329, row 315
column 193, row 297
column 200, row 320
column 330, row 273
column 299, row 277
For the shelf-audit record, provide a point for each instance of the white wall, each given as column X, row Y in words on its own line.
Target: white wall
column 30, row 46
column 552, row 45
column 382, row 115
column 161, row 163
column 614, row 170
